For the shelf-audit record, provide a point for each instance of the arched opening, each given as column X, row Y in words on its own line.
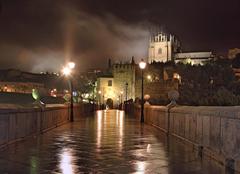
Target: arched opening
column 109, row 103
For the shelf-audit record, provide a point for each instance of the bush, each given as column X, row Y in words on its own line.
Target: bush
column 211, row 84
column 224, row 97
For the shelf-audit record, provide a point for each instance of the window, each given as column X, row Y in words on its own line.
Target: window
column 109, row 82
column 160, row 51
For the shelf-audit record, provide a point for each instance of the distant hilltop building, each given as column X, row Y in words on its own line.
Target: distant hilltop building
column 12, row 80
column 233, row 52
column 123, row 80
column 162, row 48
column 166, row 47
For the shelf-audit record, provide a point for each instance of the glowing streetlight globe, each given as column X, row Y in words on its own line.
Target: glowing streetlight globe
column 66, row 71
column 142, row 64
column 71, row 65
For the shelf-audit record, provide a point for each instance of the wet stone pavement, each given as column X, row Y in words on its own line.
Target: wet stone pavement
column 108, row 142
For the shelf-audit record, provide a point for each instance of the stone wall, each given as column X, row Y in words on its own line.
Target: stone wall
column 124, row 73
column 18, row 122
column 156, row 90
column 215, row 130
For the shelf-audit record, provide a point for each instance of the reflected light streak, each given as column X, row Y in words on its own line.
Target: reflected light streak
column 149, row 148
column 99, row 128
column 140, row 166
column 104, row 118
column 117, row 117
column 66, row 161
column 120, row 119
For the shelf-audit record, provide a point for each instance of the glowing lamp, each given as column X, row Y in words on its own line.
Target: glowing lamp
column 142, row 64
column 66, row 71
column 71, row 65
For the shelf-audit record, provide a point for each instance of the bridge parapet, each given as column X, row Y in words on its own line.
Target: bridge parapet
column 18, row 122
column 215, row 130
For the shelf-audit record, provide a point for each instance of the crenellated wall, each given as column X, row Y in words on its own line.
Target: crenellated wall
column 215, row 130
column 18, row 122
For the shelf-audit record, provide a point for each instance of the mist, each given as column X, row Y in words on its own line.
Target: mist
column 47, row 42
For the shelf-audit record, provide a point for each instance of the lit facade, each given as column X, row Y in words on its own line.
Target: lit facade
column 162, row 48
column 105, row 89
column 194, row 58
column 123, row 83
column 233, row 52
column 166, row 47
column 19, row 87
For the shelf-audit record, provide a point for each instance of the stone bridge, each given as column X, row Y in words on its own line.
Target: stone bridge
column 108, row 141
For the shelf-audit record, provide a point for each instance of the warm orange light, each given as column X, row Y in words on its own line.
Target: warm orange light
column 71, row 65
column 66, row 71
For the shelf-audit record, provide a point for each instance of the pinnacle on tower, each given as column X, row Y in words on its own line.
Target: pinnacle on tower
column 133, row 61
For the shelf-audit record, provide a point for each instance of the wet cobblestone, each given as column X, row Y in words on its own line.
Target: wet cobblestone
column 108, row 142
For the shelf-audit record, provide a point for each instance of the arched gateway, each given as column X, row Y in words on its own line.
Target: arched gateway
column 109, row 103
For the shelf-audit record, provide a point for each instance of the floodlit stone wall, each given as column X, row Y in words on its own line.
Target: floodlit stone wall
column 215, row 130
column 18, row 122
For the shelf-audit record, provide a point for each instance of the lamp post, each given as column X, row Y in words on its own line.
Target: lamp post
column 126, row 96
column 93, row 95
column 100, row 103
column 142, row 66
column 103, row 101
column 67, row 71
column 121, row 100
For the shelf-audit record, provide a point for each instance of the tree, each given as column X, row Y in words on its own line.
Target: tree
column 236, row 61
column 201, row 83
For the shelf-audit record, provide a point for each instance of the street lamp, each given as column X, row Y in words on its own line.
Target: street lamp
column 121, row 100
column 142, row 66
column 67, row 71
column 126, row 96
column 100, row 103
column 149, row 77
column 71, row 65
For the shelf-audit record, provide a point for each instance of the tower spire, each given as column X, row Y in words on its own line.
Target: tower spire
column 133, row 61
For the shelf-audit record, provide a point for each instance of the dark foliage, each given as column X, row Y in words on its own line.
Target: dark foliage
column 211, row 84
column 236, row 61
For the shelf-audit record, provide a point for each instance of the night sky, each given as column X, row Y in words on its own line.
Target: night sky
column 40, row 35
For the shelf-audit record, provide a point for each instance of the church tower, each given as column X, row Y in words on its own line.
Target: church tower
column 162, row 47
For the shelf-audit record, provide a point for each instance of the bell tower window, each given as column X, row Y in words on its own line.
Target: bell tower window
column 160, row 51
column 109, row 82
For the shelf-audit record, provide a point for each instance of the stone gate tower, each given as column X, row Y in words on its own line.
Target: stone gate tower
column 162, row 47
column 124, row 79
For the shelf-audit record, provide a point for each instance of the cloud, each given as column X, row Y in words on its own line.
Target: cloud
column 38, row 40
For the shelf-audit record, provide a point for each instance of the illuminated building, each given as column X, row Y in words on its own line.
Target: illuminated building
column 123, row 82
column 166, row 47
column 233, row 52
column 118, row 83
column 12, row 80
column 162, row 47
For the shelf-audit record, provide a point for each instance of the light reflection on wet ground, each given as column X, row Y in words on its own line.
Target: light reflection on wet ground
column 108, row 142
